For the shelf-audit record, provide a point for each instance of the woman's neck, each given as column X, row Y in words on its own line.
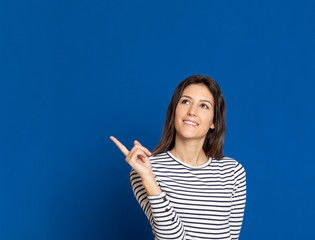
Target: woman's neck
column 189, row 151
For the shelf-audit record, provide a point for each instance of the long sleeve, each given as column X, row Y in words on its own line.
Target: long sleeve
column 238, row 201
column 161, row 215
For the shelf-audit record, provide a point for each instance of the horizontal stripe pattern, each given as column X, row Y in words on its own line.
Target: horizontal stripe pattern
column 205, row 202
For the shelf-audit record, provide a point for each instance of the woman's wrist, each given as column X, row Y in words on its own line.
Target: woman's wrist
column 150, row 185
column 148, row 177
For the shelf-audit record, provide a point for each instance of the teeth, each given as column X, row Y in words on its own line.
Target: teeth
column 191, row 123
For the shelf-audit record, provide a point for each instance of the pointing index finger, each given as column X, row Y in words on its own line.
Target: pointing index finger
column 120, row 146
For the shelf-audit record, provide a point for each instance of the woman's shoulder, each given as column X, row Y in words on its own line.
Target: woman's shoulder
column 159, row 157
column 227, row 161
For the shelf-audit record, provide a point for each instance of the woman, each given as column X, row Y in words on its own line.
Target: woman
column 186, row 188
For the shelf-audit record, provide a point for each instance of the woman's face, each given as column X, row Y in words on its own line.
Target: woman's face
column 194, row 112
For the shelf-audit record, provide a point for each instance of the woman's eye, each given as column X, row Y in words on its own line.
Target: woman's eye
column 204, row 106
column 185, row 101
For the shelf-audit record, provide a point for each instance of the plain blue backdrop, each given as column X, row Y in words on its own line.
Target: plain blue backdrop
column 73, row 73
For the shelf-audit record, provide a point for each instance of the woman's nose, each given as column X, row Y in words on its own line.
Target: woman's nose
column 192, row 111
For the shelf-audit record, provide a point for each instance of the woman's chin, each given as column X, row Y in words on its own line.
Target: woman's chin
column 189, row 136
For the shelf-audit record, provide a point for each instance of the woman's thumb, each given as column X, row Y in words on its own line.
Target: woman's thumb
column 137, row 143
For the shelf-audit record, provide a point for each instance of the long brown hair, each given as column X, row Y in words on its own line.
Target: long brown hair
column 214, row 141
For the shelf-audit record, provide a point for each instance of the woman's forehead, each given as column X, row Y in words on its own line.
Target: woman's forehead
column 198, row 91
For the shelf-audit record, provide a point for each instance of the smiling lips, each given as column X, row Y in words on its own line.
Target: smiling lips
column 191, row 123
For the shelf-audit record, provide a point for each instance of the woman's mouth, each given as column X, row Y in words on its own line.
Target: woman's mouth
column 191, row 123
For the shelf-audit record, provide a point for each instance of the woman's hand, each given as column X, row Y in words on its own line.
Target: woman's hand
column 137, row 158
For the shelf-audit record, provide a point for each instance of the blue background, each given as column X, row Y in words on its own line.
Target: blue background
column 74, row 73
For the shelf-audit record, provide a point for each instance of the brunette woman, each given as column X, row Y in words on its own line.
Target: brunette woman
column 186, row 187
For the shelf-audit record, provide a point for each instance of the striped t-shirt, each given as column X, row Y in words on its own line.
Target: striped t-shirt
column 204, row 202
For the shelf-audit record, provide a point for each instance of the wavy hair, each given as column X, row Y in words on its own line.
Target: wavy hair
column 214, row 141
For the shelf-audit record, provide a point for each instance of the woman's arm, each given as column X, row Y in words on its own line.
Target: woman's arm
column 164, row 220
column 238, row 201
column 162, row 217
column 150, row 185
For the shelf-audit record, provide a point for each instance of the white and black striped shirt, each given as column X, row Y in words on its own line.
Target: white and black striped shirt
column 204, row 202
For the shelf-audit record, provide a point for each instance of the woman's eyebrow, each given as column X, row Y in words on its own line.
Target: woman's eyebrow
column 200, row 100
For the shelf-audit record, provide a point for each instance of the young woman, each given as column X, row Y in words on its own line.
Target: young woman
column 186, row 187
